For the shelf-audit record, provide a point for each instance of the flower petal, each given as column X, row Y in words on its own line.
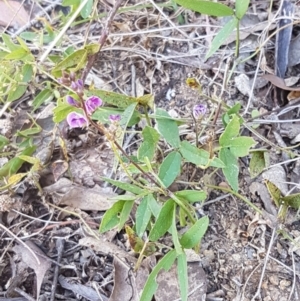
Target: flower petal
column 199, row 111
column 76, row 120
column 114, row 118
column 92, row 103
column 71, row 101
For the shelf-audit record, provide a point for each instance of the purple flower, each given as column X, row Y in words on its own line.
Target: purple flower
column 77, row 85
column 71, row 101
column 199, row 111
column 74, row 85
column 76, row 120
column 114, row 118
column 80, row 84
column 92, row 103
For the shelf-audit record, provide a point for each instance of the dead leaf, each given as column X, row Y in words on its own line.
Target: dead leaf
column 80, row 289
column 13, row 13
column 262, row 191
column 124, row 282
column 62, row 186
column 88, row 199
column 293, row 95
column 168, row 287
column 277, row 176
column 59, row 167
column 106, row 247
column 27, row 257
column 279, row 82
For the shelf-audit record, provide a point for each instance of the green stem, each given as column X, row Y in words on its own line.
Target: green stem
column 238, row 195
column 147, row 116
column 237, row 42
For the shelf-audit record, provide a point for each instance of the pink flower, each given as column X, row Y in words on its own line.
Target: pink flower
column 114, row 118
column 199, row 111
column 76, row 120
column 92, row 103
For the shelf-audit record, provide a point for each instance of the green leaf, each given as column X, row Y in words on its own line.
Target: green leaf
column 29, row 132
column 146, row 100
column 102, row 114
column 29, row 36
column 151, row 286
column 274, row 192
column 167, row 128
column 222, row 36
column 71, row 2
column 153, row 205
column 170, row 168
column 231, row 131
column 174, row 233
column 193, row 154
column 193, row 236
column 17, row 54
column 257, row 163
column 240, row 146
column 13, row 165
column 61, row 111
column 143, row 215
column 182, row 276
column 77, row 59
column 45, row 95
column 216, row 162
column 292, row 200
column 163, row 222
column 23, row 78
column 191, row 195
column 126, row 116
column 148, row 146
column 87, row 9
column 255, row 113
column 3, row 141
column 111, row 217
column 112, row 98
column 241, row 7
column 8, row 42
column 207, row 7
column 125, row 213
column 235, row 109
column 231, row 171
column 125, row 186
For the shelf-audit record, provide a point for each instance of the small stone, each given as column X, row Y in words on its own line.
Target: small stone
column 6, row 203
column 284, row 284
column 274, row 280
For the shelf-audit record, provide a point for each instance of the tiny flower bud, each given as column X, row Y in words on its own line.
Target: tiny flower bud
column 76, row 120
column 71, row 101
column 92, row 103
column 114, row 118
column 64, row 81
column 65, row 74
column 74, row 85
column 72, row 76
column 80, row 84
column 199, row 111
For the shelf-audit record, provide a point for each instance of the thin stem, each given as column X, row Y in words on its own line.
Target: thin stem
column 237, row 43
column 238, row 195
column 102, row 39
